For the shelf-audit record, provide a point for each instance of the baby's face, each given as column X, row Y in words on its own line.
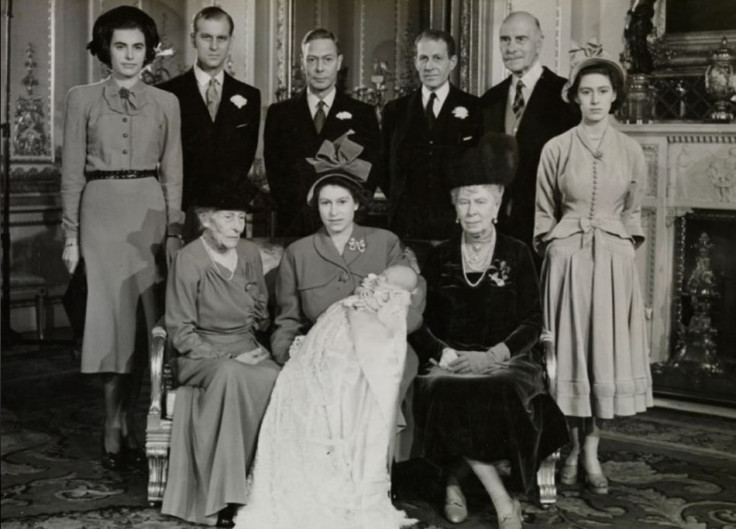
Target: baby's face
column 401, row 276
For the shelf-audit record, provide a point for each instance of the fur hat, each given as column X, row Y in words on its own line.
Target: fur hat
column 492, row 161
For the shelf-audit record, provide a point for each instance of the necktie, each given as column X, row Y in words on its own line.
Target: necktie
column 429, row 111
column 518, row 106
column 213, row 98
column 319, row 117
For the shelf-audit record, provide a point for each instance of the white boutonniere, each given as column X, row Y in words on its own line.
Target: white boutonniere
column 238, row 100
column 344, row 115
column 354, row 245
column 460, row 112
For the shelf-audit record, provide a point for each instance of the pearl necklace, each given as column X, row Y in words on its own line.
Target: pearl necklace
column 229, row 262
column 477, row 257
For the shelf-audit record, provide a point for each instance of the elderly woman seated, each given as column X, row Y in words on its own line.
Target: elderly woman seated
column 482, row 399
column 215, row 301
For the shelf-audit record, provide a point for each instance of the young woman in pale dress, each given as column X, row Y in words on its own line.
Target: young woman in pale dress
column 590, row 186
column 121, row 202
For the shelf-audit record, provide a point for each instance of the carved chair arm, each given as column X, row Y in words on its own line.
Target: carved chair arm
column 550, row 360
column 158, row 352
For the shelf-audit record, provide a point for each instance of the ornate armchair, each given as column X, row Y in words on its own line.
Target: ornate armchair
column 546, row 472
column 160, row 414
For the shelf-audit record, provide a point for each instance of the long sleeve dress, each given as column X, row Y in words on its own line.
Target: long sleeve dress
column 324, row 450
column 120, row 223
column 587, row 225
column 506, row 414
column 211, row 317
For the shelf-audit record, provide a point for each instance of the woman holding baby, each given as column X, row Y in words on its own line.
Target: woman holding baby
column 482, row 399
column 340, row 332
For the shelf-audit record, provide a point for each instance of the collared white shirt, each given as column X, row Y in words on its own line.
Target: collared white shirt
column 203, row 81
column 530, row 79
column 441, row 93
column 328, row 100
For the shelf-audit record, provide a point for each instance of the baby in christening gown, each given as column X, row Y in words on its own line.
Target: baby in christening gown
column 323, row 450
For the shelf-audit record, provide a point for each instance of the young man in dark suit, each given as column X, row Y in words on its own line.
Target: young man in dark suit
column 220, row 115
column 528, row 105
column 422, row 131
column 296, row 128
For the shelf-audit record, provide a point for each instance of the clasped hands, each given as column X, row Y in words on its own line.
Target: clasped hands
column 474, row 362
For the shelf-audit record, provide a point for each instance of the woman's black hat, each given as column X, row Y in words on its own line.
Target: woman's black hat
column 493, row 160
column 230, row 197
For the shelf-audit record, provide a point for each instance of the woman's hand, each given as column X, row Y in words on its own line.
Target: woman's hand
column 253, row 357
column 473, row 362
column 173, row 245
column 70, row 256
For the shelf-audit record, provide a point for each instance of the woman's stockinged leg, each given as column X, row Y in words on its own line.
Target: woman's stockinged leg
column 590, row 446
column 508, row 510
column 113, row 385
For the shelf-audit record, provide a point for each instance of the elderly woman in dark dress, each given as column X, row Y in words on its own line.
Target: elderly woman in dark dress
column 121, row 200
column 216, row 300
column 482, row 398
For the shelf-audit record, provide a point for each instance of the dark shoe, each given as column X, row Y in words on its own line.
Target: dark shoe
column 135, row 456
column 225, row 517
column 110, row 460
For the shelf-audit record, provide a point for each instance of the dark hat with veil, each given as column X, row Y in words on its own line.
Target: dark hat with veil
column 340, row 159
column 493, row 160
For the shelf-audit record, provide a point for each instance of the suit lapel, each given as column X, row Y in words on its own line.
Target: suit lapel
column 333, row 126
column 495, row 117
column 324, row 246
column 414, row 113
column 194, row 98
column 536, row 101
column 303, row 118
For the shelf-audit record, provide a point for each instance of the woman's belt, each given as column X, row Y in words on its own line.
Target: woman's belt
column 120, row 175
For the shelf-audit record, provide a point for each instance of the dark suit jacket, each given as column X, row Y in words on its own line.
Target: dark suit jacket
column 290, row 138
column 416, row 161
column 221, row 151
column 546, row 116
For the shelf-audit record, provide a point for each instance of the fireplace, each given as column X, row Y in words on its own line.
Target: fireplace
column 702, row 360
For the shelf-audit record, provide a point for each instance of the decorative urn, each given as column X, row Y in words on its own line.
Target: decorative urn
column 720, row 82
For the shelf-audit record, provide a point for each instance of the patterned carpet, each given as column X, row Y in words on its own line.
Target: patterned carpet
column 667, row 469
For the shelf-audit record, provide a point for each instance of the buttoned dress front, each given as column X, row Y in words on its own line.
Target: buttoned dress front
column 587, row 225
column 120, row 223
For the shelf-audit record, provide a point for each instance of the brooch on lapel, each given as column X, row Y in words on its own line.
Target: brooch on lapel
column 238, row 100
column 460, row 112
column 499, row 272
column 354, row 245
column 344, row 115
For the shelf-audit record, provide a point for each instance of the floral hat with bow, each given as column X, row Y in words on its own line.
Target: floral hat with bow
column 339, row 158
column 582, row 56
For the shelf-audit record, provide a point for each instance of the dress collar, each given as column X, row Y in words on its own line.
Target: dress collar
column 137, row 98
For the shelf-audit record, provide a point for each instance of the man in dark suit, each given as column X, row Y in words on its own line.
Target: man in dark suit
column 527, row 104
column 296, row 128
column 422, row 131
column 220, row 115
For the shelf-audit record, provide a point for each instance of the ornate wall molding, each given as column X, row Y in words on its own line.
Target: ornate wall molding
column 466, row 39
column 361, row 41
column 704, row 172
column 710, row 138
column 283, row 47
column 651, row 155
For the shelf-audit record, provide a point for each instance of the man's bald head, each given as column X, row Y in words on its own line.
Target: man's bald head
column 521, row 41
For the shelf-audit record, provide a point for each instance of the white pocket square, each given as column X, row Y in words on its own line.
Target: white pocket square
column 467, row 138
column 241, row 125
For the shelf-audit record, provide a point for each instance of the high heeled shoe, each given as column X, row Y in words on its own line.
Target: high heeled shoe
column 134, row 456
column 596, row 483
column 512, row 520
column 111, row 460
column 225, row 517
column 569, row 473
column 456, row 507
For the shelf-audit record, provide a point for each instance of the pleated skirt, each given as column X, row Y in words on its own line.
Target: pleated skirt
column 592, row 303
column 122, row 230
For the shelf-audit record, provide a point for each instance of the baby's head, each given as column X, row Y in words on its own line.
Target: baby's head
column 401, row 276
